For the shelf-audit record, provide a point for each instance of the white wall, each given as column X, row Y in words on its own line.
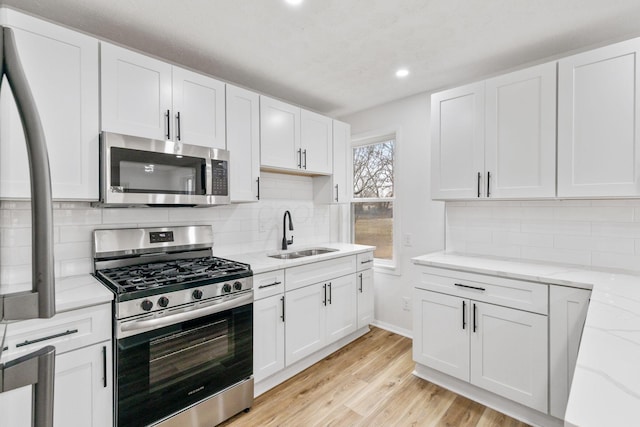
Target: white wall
column 604, row 234
column 236, row 228
column 416, row 215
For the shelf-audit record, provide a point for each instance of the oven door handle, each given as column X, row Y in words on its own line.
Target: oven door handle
column 217, row 307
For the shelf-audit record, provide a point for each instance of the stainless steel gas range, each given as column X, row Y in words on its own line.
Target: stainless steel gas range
column 183, row 326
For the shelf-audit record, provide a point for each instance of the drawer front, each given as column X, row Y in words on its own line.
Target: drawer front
column 364, row 261
column 518, row 294
column 66, row 331
column 268, row 284
column 304, row 275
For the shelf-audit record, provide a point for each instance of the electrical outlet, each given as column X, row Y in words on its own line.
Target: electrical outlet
column 406, row 303
column 406, row 239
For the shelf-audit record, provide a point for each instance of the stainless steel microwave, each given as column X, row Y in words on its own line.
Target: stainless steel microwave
column 141, row 171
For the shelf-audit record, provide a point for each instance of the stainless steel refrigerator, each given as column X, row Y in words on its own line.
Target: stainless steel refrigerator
column 37, row 368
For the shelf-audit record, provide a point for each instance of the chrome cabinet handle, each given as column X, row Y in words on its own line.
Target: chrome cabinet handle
column 167, row 115
column 269, row 285
column 329, row 292
column 361, row 280
column 304, row 152
column 178, row 126
column 49, row 337
column 336, row 192
column 300, row 158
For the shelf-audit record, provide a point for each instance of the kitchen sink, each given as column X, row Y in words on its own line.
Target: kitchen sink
column 302, row 253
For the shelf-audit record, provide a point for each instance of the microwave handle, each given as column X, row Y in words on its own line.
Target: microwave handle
column 209, row 176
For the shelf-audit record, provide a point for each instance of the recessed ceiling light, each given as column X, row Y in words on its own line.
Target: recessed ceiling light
column 402, row 72
column 294, row 2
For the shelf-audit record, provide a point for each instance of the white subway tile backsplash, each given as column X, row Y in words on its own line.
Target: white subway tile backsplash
column 247, row 227
column 598, row 233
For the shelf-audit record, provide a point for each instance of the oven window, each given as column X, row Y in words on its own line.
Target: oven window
column 174, row 358
column 135, row 171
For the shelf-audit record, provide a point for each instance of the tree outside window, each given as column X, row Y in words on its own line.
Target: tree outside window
column 373, row 196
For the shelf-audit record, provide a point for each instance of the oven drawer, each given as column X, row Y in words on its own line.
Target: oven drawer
column 66, row 331
column 268, row 284
column 512, row 293
column 308, row 274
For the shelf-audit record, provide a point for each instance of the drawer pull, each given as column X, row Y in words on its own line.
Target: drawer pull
column 269, row 285
column 282, row 299
column 464, row 317
column 61, row 334
column 366, row 261
column 477, row 288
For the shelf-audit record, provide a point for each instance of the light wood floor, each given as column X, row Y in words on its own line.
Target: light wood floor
column 367, row 383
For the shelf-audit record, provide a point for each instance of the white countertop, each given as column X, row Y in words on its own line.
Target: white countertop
column 261, row 263
column 606, row 384
column 71, row 292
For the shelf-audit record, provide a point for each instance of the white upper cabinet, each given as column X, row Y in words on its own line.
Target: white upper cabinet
column 520, row 133
column 243, row 143
column 279, row 135
column 61, row 67
column 294, row 140
column 136, row 93
column 335, row 187
column 496, row 139
column 198, row 109
column 316, row 142
column 598, row 115
column 457, row 142
column 145, row 97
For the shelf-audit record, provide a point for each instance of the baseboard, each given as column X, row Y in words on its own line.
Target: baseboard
column 288, row 372
column 392, row 328
column 486, row 398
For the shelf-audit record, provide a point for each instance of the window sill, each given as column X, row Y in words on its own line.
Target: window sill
column 389, row 269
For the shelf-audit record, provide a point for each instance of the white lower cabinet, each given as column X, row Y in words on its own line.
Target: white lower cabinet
column 500, row 349
column 84, row 388
column 567, row 313
column 305, row 314
column 365, row 297
column 341, row 308
column 268, row 333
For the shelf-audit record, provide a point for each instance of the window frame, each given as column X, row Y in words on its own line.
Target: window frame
column 370, row 138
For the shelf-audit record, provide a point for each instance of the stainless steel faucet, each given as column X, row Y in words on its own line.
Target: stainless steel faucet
column 286, row 242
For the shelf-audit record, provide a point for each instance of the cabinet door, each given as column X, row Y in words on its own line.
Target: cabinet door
column 317, row 142
column 136, row 94
column 441, row 327
column 268, row 336
column 365, row 297
column 198, row 109
column 567, row 313
column 341, row 157
column 305, row 328
column 61, row 67
column 509, row 353
column 83, row 396
column 341, row 308
column 243, row 143
column 598, row 116
column 457, row 143
column 279, row 134
column 520, row 133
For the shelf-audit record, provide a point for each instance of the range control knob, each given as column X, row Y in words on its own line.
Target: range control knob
column 237, row 286
column 146, row 305
column 226, row 288
column 163, row 302
column 197, row 294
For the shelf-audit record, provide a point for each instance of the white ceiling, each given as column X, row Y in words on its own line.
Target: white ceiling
column 340, row 56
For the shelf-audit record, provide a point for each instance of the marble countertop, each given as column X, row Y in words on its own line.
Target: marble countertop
column 606, row 383
column 261, row 263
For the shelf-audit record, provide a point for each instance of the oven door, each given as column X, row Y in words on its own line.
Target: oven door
column 163, row 371
column 153, row 172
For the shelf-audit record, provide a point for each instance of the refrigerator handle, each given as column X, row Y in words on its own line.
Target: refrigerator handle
column 37, row 369
column 40, row 303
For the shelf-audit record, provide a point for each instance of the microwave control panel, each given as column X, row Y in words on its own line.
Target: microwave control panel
column 220, row 178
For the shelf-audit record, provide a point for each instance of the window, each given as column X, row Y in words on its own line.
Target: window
column 373, row 195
